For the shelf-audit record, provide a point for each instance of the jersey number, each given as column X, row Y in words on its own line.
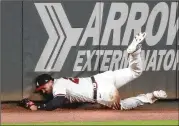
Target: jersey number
column 74, row 80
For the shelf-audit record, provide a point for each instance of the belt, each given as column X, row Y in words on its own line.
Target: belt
column 95, row 87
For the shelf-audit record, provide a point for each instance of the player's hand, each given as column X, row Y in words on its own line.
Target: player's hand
column 26, row 103
column 33, row 108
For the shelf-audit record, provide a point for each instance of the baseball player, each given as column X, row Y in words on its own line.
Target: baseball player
column 101, row 88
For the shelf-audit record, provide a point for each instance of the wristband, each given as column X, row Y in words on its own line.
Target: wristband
column 29, row 104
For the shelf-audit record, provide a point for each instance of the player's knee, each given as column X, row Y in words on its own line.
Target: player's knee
column 137, row 73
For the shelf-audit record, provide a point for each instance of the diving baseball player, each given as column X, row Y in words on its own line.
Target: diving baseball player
column 101, row 88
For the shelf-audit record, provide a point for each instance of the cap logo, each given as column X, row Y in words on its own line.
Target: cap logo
column 46, row 80
column 37, row 84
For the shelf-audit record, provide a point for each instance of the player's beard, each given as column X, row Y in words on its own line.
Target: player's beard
column 49, row 91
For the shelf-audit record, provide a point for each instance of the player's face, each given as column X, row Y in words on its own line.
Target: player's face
column 47, row 89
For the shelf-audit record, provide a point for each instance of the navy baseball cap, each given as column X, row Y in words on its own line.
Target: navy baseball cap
column 41, row 80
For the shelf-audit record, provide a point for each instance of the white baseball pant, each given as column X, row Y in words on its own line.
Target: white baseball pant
column 126, row 75
column 133, row 102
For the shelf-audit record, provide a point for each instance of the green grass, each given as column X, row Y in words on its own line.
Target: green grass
column 156, row 122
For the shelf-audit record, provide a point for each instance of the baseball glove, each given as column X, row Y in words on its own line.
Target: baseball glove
column 26, row 103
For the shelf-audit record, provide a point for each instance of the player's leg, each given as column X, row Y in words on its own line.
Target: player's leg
column 133, row 102
column 124, row 76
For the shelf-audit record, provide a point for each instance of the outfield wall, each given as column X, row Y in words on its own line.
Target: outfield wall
column 82, row 38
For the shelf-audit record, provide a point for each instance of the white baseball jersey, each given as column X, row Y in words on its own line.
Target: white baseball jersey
column 81, row 89
column 74, row 89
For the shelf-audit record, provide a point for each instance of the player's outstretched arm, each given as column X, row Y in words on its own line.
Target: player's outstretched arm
column 53, row 104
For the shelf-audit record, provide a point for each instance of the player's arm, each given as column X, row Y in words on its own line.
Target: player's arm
column 53, row 104
column 56, row 102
